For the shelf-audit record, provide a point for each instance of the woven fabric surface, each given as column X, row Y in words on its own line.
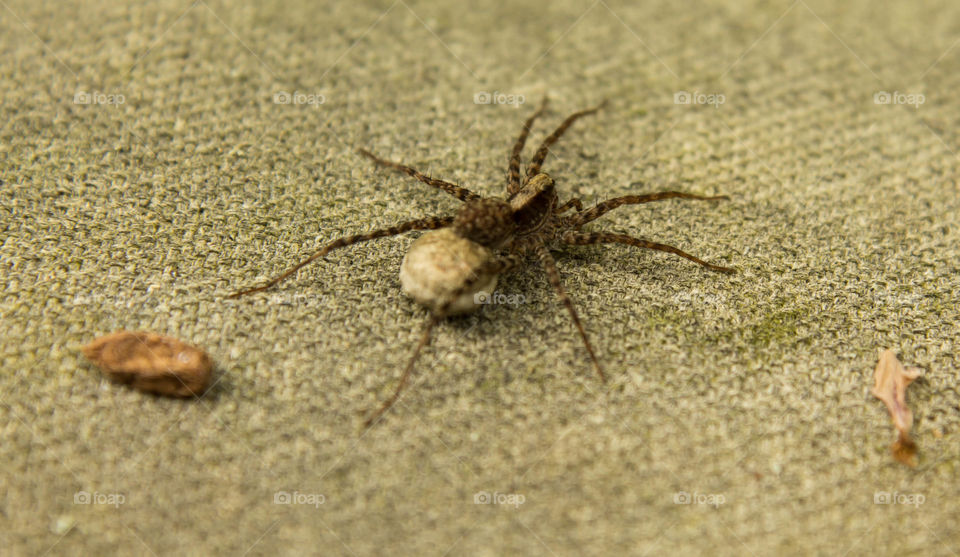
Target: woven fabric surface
column 155, row 158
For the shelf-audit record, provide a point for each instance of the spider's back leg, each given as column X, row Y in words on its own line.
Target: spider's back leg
column 494, row 267
column 429, row 223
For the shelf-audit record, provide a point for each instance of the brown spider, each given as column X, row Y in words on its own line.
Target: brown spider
column 530, row 222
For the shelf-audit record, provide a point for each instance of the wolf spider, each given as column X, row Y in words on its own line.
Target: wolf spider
column 527, row 224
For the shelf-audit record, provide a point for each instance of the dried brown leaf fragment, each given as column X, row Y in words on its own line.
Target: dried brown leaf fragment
column 905, row 450
column 891, row 380
column 152, row 363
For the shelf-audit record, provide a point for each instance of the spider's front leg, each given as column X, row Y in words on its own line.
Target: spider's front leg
column 574, row 203
column 586, row 238
column 513, row 180
column 611, row 204
column 553, row 275
column 463, row 194
column 534, row 168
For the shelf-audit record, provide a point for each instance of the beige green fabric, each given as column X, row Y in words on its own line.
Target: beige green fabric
column 154, row 158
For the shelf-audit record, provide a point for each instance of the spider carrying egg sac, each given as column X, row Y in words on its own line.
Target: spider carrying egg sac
column 438, row 264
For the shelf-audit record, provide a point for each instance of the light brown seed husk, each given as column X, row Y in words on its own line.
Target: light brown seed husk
column 152, row 363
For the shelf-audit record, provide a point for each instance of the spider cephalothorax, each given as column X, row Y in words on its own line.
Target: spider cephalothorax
column 462, row 256
column 533, row 204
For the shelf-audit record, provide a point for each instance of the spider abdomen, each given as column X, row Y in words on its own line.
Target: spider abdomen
column 438, row 264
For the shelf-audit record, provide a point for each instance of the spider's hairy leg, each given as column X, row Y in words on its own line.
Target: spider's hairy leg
column 463, row 194
column 424, row 341
column 495, row 266
column 611, row 204
column 429, row 223
column 541, row 153
column 574, row 203
column 550, row 267
column 581, row 239
column 513, row 182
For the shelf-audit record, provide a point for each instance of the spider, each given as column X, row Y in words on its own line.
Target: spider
column 526, row 225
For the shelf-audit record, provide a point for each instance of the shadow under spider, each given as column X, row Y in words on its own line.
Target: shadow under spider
column 526, row 225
